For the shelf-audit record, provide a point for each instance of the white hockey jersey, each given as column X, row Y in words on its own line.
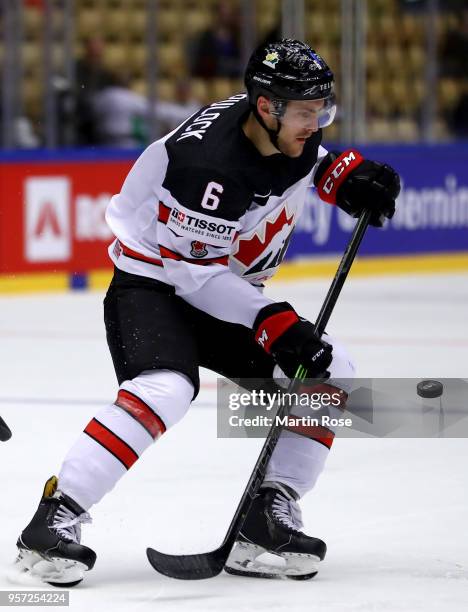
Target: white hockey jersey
column 202, row 210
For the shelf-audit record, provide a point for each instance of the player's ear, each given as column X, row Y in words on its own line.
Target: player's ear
column 263, row 106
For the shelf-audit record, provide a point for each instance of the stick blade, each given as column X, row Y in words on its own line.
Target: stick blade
column 188, row 567
column 5, row 431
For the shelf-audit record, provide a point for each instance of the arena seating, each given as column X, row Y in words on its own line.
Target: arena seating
column 394, row 55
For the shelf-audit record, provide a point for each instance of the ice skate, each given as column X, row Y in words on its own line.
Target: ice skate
column 270, row 543
column 49, row 548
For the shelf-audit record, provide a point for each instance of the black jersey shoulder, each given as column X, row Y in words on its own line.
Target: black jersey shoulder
column 210, row 137
column 205, row 150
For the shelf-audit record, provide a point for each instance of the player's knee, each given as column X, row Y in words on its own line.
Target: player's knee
column 342, row 369
column 168, row 393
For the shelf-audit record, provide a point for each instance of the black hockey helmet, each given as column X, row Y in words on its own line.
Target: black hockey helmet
column 289, row 69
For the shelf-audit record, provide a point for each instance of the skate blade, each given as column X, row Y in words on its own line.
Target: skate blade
column 256, row 562
column 31, row 569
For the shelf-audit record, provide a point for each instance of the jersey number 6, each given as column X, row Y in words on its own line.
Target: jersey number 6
column 210, row 200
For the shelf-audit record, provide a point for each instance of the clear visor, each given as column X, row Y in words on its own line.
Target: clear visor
column 305, row 114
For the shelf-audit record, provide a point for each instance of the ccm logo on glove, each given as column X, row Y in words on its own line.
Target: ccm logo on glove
column 318, row 354
column 355, row 184
column 336, row 173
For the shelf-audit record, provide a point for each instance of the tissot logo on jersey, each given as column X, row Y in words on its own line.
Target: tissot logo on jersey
column 211, row 226
column 217, row 232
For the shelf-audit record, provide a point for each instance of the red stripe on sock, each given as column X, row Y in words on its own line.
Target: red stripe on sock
column 141, row 412
column 112, row 443
column 314, row 432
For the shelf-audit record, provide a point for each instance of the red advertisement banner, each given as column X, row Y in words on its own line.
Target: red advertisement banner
column 52, row 215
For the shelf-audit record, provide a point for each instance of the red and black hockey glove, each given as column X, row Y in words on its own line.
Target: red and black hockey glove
column 354, row 183
column 291, row 341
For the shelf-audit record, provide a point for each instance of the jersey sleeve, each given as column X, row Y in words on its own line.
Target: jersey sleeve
column 322, row 152
column 198, row 222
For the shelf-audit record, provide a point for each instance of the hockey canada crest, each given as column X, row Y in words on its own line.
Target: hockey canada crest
column 198, row 249
column 271, row 59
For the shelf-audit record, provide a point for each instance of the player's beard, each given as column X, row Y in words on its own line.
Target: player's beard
column 292, row 146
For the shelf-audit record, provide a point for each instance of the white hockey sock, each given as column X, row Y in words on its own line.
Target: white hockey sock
column 117, row 436
column 299, row 459
column 297, row 462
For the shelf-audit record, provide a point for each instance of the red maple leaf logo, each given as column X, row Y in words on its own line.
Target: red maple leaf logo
column 250, row 248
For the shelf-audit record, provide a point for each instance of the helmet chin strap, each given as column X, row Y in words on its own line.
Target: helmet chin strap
column 272, row 134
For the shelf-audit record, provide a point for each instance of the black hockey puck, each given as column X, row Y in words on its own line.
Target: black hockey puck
column 5, row 431
column 430, row 388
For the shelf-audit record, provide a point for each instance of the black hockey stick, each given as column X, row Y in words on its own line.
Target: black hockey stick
column 207, row 565
column 5, row 431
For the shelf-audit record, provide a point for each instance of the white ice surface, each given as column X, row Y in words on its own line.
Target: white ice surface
column 392, row 511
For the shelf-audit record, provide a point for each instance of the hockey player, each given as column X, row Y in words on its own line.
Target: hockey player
column 202, row 221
